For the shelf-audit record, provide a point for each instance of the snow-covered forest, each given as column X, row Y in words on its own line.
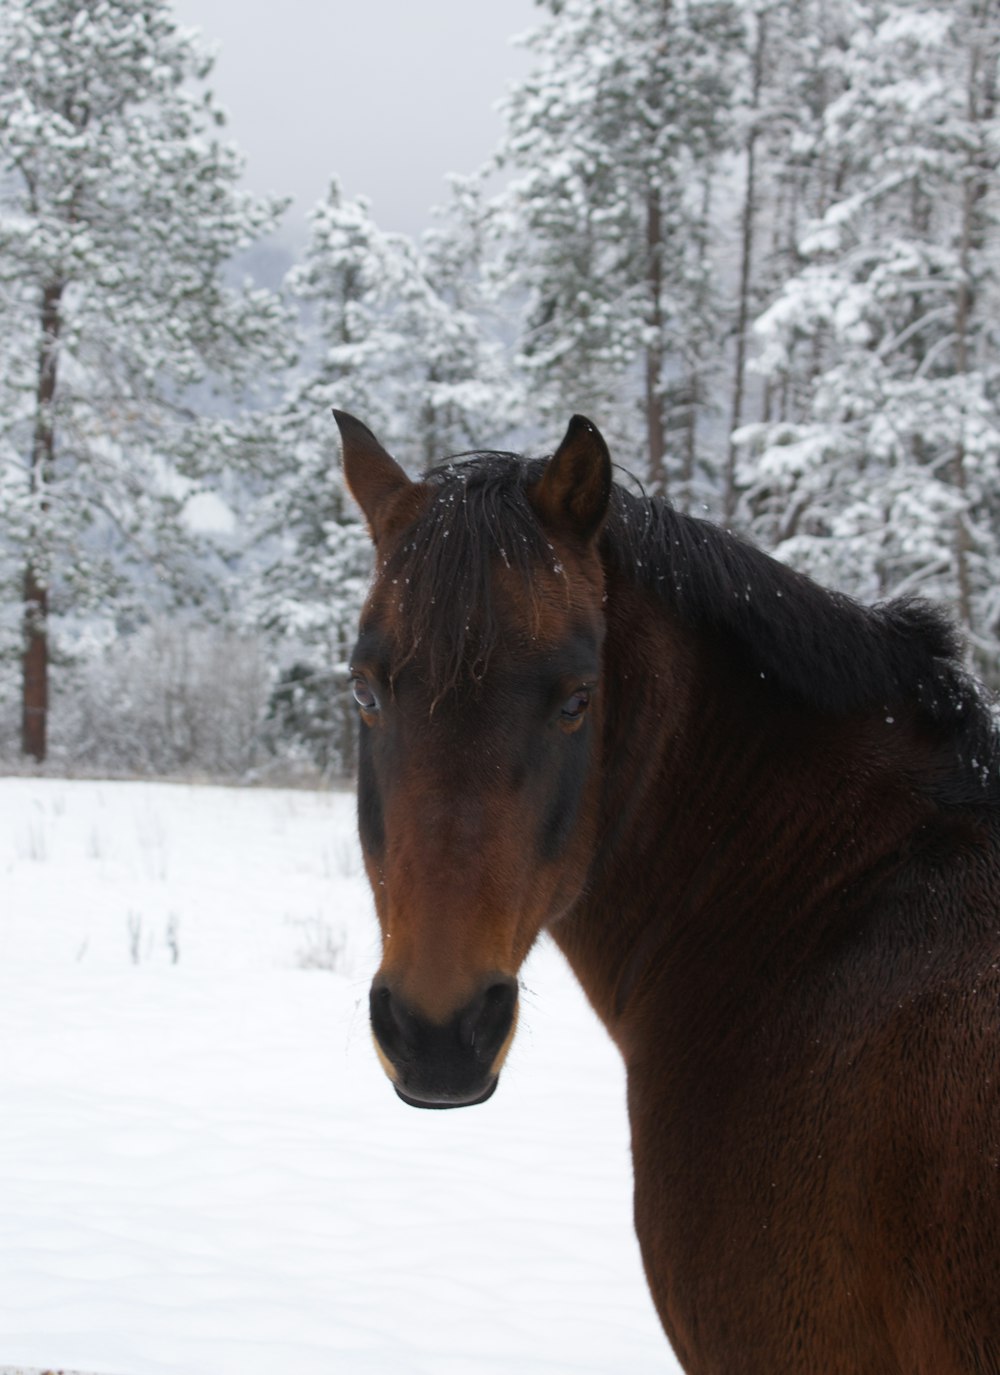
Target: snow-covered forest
column 755, row 242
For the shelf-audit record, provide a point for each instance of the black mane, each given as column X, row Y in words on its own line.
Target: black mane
column 819, row 646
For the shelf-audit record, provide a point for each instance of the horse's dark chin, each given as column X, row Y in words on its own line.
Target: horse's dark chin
column 442, row 1102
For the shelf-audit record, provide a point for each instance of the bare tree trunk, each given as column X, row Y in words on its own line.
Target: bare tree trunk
column 655, row 428
column 746, row 260
column 35, row 659
column 980, row 108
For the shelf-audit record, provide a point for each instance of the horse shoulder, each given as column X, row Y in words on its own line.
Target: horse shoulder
column 820, row 1158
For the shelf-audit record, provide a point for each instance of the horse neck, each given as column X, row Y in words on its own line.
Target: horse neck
column 728, row 816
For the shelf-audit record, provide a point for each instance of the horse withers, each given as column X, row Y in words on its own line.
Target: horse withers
column 762, row 823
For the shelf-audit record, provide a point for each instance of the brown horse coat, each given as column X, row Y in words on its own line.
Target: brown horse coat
column 763, row 824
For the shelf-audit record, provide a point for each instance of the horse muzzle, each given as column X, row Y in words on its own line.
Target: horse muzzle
column 451, row 1064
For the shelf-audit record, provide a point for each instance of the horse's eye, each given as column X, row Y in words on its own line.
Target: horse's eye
column 574, row 707
column 363, row 694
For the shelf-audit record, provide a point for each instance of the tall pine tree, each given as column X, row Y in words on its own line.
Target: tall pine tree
column 882, row 472
column 119, row 212
column 386, row 334
column 613, row 143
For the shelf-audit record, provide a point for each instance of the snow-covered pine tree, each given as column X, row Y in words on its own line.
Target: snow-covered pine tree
column 613, row 142
column 883, row 474
column 387, row 333
column 791, row 75
column 119, row 211
column 479, row 397
column 381, row 340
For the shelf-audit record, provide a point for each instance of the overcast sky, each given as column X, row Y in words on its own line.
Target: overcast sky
column 389, row 95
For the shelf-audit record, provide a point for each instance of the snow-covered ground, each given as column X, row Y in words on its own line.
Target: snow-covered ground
column 203, row 1169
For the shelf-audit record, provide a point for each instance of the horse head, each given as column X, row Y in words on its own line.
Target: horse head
column 477, row 675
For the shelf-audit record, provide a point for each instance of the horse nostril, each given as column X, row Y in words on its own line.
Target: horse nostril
column 486, row 1023
column 388, row 1021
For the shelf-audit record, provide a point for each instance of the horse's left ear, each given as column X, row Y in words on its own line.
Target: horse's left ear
column 572, row 495
column 373, row 476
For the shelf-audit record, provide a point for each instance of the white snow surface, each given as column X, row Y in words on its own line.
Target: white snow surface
column 202, row 1167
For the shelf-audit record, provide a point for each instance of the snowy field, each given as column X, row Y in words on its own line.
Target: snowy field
column 203, row 1169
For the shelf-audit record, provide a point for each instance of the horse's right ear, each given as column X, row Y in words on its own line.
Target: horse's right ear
column 374, row 478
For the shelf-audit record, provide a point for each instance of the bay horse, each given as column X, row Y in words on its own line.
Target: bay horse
column 762, row 822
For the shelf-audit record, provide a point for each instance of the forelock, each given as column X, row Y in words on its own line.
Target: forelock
column 438, row 583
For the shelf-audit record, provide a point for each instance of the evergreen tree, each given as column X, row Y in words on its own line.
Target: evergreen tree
column 883, row 477
column 792, row 74
column 386, row 335
column 614, row 142
column 481, row 399
column 119, row 211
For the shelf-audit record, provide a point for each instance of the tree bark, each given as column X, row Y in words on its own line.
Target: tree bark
column 655, row 429
column 746, row 260
column 35, row 658
column 980, row 107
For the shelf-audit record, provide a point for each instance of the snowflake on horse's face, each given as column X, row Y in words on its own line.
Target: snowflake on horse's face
column 762, row 823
